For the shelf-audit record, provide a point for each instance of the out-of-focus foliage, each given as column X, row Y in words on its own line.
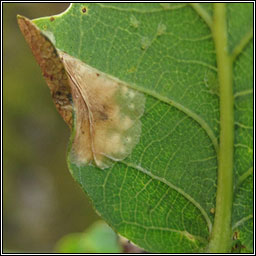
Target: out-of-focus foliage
column 99, row 238
column 41, row 200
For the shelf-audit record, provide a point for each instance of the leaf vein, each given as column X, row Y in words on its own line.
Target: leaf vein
column 142, row 11
column 179, row 190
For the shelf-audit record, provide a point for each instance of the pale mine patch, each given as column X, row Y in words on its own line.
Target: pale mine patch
column 131, row 106
column 131, row 94
column 107, row 128
column 127, row 123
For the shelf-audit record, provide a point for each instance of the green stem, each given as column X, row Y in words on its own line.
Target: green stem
column 220, row 241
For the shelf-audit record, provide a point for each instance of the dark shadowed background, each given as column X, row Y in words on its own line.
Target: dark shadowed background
column 41, row 200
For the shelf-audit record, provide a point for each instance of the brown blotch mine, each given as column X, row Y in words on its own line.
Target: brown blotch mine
column 102, row 116
column 106, row 127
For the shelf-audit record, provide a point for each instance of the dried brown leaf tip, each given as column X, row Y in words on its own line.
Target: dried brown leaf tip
column 52, row 68
column 107, row 112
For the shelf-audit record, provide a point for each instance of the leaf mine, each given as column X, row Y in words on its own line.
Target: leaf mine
column 103, row 114
column 106, row 111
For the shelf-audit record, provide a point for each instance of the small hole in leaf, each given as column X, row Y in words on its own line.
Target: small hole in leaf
column 84, row 10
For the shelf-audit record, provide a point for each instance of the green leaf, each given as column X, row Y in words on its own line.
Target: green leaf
column 99, row 238
column 163, row 195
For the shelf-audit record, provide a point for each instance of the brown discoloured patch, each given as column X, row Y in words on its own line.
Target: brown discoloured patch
column 107, row 127
column 52, row 19
column 104, row 121
column 102, row 116
column 52, row 68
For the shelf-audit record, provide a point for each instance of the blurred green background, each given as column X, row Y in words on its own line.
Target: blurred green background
column 41, row 200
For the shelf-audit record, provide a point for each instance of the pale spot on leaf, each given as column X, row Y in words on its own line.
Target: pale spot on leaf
column 131, row 94
column 128, row 139
column 134, row 22
column 131, row 106
column 161, row 29
column 145, row 43
column 211, row 82
column 126, row 123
